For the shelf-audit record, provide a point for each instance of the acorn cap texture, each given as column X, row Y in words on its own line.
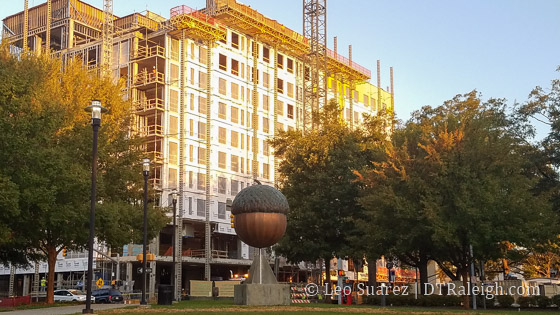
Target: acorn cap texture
column 260, row 198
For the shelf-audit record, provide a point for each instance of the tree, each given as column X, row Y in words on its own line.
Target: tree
column 457, row 175
column 317, row 177
column 45, row 137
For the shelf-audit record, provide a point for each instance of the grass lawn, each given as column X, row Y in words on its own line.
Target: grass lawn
column 227, row 307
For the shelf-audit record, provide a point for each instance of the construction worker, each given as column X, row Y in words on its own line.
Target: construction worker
column 43, row 284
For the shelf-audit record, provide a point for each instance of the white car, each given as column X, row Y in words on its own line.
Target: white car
column 70, row 295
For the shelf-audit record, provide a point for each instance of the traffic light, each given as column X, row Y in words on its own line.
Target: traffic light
column 232, row 221
column 341, row 273
column 64, row 252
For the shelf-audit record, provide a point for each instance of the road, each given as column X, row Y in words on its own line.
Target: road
column 72, row 309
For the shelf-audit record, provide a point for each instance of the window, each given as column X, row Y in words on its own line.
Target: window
column 266, row 171
column 174, row 74
column 266, row 79
column 234, row 163
column 173, row 152
column 234, row 91
column 279, row 108
column 223, row 62
column 356, row 118
column 234, row 187
column 191, row 179
column 201, row 181
column 348, row 114
column 242, row 117
column 200, row 207
column 242, row 164
column 202, row 105
column 173, row 100
column 202, row 80
column 290, row 89
column 290, row 65
column 222, row 209
column 234, row 67
column 290, row 111
column 201, row 130
column 173, row 126
column 191, row 127
column 265, row 125
column 279, row 127
column 280, row 86
column 242, row 142
column 242, row 70
column 235, row 40
column 266, row 54
column 348, row 92
column 265, row 102
column 192, row 76
column 172, row 177
column 191, row 153
column 356, row 97
column 222, row 160
column 222, row 85
column 266, row 148
column 366, row 100
column 222, row 135
column 234, row 139
column 202, row 54
column 192, row 101
column 234, row 115
column 222, row 183
column 202, row 155
column 222, row 110
column 280, row 61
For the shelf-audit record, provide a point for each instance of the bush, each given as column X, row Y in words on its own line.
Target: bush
column 556, row 300
column 543, row 301
column 505, row 300
column 526, row 301
column 409, row 300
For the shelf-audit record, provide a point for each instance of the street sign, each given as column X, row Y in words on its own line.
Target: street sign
column 148, row 270
column 99, row 283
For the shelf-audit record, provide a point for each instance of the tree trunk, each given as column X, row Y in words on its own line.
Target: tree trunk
column 327, row 276
column 51, row 260
column 372, row 274
column 423, row 269
column 465, row 275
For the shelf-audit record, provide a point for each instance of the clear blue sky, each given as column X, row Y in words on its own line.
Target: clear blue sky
column 502, row 48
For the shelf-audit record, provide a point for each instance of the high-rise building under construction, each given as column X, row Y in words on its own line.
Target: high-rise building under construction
column 209, row 88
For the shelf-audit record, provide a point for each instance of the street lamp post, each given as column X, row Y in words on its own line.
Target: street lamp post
column 96, row 109
column 146, row 172
column 173, row 280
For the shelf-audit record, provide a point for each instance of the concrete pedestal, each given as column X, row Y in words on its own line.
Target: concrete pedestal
column 262, row 294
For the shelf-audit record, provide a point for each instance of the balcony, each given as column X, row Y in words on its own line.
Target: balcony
column 145, row 52
column 155, row 157
column 147, row 106
column 144, row 79
column 153, row 130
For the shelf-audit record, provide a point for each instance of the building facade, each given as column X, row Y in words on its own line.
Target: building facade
column 209, row 91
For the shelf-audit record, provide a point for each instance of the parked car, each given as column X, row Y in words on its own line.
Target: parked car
column 70, row 295
column 107, row 296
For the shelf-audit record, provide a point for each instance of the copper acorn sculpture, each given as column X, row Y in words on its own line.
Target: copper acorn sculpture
column 260, row 215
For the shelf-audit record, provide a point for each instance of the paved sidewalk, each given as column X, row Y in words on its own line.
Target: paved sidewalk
column 73, row 309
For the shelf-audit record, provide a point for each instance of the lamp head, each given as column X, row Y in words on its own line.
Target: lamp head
column 96, row 109
column 174, row 195
column 146, row 165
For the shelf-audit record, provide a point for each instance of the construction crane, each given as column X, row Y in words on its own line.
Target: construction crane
column 315, row 69
column 49, row 19
column 107, row 45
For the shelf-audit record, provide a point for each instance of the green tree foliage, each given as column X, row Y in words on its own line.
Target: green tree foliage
column 457, row 175
column 45, row 161
column 318, row 178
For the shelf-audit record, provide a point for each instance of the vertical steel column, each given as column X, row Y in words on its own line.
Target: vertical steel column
column 207, row 232
column 379, row 102
column 25, row 25
column 255, row 120
column 107, row 36
column 178, row 268
column 48, row 36
column 274, row 131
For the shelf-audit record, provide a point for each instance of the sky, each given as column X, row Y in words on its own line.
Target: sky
column 438, row 48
